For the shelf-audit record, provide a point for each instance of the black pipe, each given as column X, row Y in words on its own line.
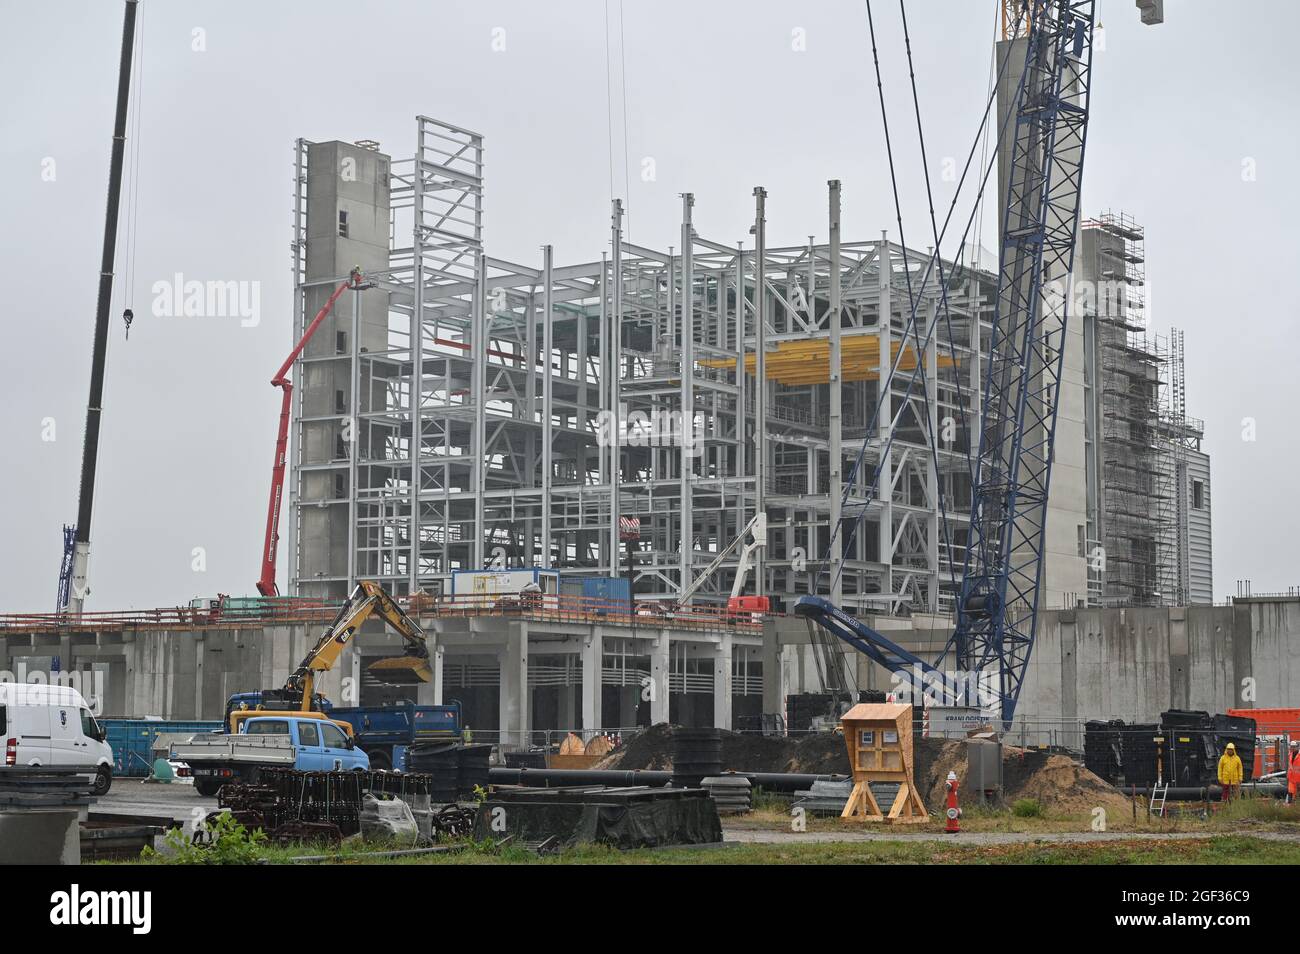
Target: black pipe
column 546, row 778
column 1211, row 792
column 90, row 449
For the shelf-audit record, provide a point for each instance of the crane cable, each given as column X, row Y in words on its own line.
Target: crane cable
column 911, row 293
column 947, row 314
column 609, row 107
column 132, row 224
column 622, row 67
column 609, row 112
column 987, row 171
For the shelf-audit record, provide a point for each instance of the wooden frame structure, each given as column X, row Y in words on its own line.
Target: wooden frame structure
column 879, row 740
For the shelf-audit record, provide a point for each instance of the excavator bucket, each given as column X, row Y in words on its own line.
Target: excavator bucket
column 405, row 670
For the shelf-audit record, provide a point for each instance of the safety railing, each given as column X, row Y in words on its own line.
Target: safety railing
column 538, row 607
column 545, row 607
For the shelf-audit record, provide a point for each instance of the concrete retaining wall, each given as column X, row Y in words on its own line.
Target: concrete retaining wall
column 1129, row 664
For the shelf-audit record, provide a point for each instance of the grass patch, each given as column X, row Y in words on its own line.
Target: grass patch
column 1257, row 809
column 1027, row 808
column 1220, row 850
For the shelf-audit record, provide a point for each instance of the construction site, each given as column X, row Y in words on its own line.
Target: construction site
column 880, row 531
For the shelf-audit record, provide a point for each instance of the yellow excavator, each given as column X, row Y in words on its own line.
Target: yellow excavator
column 298, row 696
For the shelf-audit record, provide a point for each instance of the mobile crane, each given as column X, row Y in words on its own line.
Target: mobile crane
column 75, row 566
column 271, row 541
column 997, row 605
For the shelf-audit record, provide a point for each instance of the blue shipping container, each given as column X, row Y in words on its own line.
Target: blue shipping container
column 132, row 741
column 608, row 589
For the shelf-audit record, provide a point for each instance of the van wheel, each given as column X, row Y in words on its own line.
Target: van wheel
column 206, row 787
column 103, row 781
column 380, row 762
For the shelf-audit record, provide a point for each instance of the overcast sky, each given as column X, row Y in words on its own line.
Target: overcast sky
column 1194, row 133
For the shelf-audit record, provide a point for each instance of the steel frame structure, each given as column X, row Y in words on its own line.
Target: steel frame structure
column 514, row 466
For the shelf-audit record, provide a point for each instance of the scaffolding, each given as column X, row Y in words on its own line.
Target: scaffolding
column 1136, row 502
column 487, row 413
column 1181, row 437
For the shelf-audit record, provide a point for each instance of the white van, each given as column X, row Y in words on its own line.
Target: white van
column 52, row 725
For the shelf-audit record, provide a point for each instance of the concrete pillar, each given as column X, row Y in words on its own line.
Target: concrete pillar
column 351, row 690
column 569, row 707
column 194, row 709
column 659, row 679
column 435, row 660
column 514, row 709
column 722, row 683
column 773, row 674
column 65, row 654
column 593, row 655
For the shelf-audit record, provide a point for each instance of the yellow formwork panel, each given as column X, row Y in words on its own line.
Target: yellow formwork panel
column 809, row 362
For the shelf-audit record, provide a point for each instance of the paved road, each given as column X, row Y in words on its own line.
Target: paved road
column 130, row 796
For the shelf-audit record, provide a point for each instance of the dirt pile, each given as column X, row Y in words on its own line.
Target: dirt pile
column 1057, row 783
column 650, row 749
column 1054, row 781
column 821, row 754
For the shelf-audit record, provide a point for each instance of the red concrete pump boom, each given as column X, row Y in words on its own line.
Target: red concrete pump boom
column 271, row 543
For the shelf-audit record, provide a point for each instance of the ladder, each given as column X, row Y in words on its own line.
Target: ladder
column 1159, row 793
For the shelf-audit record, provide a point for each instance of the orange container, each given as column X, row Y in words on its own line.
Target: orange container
column 1273, row 729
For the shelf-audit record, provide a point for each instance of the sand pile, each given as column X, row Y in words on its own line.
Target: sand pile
column 1053, row 780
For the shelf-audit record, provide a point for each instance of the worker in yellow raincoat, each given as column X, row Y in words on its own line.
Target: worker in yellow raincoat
column 1230, row 772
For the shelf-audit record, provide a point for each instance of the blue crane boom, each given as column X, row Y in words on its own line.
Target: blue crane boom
column 997, row 605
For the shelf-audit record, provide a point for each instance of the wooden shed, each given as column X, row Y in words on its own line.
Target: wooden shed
column 879, row 740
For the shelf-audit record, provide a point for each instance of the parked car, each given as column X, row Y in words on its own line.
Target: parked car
column 53, row 726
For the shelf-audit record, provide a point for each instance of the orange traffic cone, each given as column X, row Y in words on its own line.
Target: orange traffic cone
column 954, row 810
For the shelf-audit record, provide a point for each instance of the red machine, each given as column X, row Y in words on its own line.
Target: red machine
column 749, row 604
column 271, row 543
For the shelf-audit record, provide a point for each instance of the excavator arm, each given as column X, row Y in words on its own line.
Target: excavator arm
column 368, row 597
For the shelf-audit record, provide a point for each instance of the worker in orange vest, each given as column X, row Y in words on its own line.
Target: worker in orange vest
column 1293, row 773
column 1230, row 772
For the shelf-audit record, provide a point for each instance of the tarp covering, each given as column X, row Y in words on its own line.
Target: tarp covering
column 621, row 818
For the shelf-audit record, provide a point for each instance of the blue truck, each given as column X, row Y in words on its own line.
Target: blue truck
column 308, row 743
column 383, row 732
